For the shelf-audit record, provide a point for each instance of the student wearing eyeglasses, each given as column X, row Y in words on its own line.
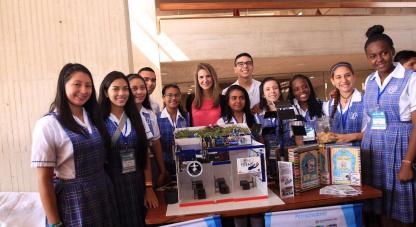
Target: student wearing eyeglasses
column 243, row 68
column 171, row 117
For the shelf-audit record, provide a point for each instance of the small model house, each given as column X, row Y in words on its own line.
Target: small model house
column 219, row 164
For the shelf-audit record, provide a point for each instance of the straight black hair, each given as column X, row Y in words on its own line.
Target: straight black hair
column 228, row 112
column 61, row 104
column 146, row 102
column 314, row 105
column 148, row 69
column 404, row 56
column 130, row 110
column 263, row 101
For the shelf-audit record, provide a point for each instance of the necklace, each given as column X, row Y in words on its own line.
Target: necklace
column 349, row 96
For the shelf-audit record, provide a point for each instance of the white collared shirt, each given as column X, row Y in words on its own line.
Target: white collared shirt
column 356, row 97
column 153, row 122
column 154, row 105
column 165, row 114
column 221, row 121
column 253, row 92
column 127, row 126
column 51, row 146
column 407, row 103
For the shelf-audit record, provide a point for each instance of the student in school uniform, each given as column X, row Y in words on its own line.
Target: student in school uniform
column 346, row 109
column 141, row 98
column 128, row 157
column 171, row 117
column 389, row 141
column 68, row 151
column 308, row 107
column 236, row 111
column 270, row 97
column 204, row 106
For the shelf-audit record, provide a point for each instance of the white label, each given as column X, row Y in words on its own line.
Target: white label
column 248, row 165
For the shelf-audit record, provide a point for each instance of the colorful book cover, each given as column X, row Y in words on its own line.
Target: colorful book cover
column 345, row 165
column 305, row 161
column 325, row 162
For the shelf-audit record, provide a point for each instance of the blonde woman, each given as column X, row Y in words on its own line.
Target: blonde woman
column 205, row 105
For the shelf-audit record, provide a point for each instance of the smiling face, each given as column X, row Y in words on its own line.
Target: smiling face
column 380, row 56
column 118, row 93
column 301, row 90
column 343, row 79
column 172, row 98
column 205, row 80
column 236, row 100
column 78, row 89
column 138, row 88
column 271, row 91
column 244, row 67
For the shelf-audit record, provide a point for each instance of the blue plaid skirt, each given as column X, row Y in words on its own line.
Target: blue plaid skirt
column 382, row 153
column 86, row 201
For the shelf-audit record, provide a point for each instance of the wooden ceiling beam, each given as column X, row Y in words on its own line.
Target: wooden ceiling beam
column 169, row 6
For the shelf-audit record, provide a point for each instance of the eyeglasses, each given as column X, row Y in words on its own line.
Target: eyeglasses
column 171, row 96
column 242, row 63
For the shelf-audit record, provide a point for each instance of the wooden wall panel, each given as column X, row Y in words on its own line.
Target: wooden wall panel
column 37, row 37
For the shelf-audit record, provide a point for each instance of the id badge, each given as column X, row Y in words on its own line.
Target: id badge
column 378, row 120
column 310, row 133
column 128, row 162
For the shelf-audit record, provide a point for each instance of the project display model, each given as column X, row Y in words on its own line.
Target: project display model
column 219, row 164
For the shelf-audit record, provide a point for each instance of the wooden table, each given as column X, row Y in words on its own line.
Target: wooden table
column 304, row 200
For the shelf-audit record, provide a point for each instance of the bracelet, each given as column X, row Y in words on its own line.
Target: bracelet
column 406, row 161
column 149, row 184
column 59, row 224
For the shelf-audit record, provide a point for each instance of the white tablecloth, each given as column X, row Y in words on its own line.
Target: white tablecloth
column 21, row 209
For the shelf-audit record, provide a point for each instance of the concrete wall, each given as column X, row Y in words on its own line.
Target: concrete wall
column 223, row 38
column 37, row 37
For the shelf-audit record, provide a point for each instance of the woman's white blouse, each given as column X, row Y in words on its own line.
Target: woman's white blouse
column 51, row 146
column 153, row 122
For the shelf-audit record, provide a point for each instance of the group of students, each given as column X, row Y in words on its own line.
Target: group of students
column 92, row 158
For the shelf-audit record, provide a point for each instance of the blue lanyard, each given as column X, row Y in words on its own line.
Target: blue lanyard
column 344, row 118
column 380, row 93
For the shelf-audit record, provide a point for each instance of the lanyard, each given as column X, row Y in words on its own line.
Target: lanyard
column 123, row 136
column 379, row 94
column 344, row 118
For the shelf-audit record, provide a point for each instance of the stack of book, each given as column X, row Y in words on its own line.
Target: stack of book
column 305, row 160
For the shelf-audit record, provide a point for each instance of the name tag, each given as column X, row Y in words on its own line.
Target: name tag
column 310, row 133
column 378, row 120
column 128, row 162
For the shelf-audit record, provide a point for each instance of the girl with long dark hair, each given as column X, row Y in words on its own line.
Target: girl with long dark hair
column 127, row 158
column 68, row 150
